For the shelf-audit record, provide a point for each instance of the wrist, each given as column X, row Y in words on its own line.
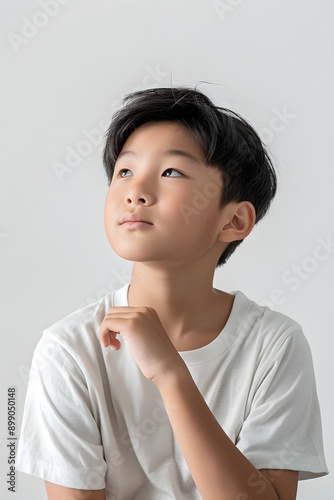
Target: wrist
column 174, row 385
column 170, row 377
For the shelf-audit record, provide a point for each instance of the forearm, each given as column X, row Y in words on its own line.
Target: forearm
column 57, row 492
column 218, row 468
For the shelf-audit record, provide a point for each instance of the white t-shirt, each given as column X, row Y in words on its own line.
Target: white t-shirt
column 93, row 421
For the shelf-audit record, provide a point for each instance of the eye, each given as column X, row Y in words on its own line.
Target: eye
column 171, row 172
column 124, row 172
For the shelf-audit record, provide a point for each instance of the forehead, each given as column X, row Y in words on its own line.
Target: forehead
column 157, row 137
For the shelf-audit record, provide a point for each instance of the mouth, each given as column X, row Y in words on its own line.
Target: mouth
column 135, row 221
column 136, row 224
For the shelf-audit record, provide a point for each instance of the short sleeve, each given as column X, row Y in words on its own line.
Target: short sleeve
column 283, row 428
column 60, row 440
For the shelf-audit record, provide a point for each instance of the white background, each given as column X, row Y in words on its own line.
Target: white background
column 65, row 77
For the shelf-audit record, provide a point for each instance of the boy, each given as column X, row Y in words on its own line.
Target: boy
column 169, row 388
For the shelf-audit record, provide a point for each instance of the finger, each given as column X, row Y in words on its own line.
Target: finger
column 129, row 309
column 115, row 344
column 108, row 337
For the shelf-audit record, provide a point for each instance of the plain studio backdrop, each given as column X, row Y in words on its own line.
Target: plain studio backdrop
column 66, row 64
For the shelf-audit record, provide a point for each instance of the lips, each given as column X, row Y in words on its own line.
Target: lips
column 132, row 218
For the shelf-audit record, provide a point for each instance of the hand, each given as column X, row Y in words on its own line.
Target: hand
column 149, row 343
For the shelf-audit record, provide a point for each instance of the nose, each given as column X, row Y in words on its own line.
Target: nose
column 138, row 195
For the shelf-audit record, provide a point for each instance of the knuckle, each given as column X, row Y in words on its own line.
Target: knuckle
column 151, row 310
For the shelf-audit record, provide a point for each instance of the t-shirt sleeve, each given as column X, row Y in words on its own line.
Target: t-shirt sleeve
column 60, row 440
column 283, row 427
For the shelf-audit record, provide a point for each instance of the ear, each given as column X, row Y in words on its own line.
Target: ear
column 241, row 220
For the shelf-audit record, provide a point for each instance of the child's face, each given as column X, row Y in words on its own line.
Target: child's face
column 178, row 197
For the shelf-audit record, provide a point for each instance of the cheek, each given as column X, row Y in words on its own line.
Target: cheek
column 106, row 214
column 112, row 200
column 200, row 213
column 109, row 215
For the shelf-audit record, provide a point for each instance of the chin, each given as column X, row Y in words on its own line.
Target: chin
column 132, row 254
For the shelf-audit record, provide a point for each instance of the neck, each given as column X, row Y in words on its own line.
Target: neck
column 183, row 297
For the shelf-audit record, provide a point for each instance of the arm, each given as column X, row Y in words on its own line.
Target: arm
column 57, row 492
column 58, row 416
column 218, row 468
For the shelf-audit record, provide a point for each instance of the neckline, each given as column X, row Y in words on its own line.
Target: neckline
column 221, row 343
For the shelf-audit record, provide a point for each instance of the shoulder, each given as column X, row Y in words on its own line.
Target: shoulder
column 277, row 353
column 265, row 331
column 265, row 319
column 78, row 331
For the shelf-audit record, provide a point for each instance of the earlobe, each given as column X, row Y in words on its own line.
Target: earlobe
column 240, row 224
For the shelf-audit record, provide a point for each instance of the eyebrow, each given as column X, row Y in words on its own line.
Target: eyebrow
column 167, row 153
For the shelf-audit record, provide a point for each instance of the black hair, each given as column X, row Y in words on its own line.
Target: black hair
column 228, row 142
